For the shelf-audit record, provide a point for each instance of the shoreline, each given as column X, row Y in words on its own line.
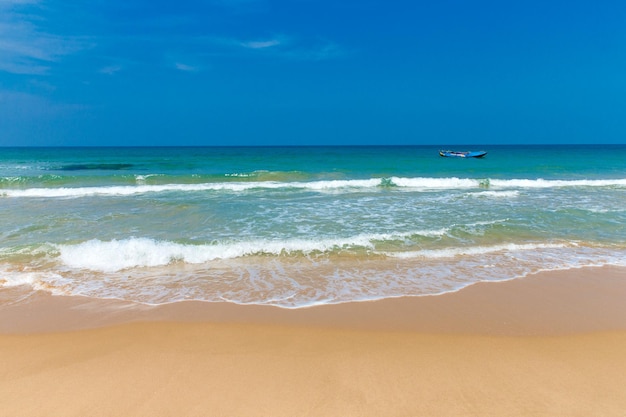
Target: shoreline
column 552, row 302
column 550, row 344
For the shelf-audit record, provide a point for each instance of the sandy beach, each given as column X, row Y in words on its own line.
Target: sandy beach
column 552, row 344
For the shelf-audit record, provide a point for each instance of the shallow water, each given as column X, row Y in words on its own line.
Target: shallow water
column 300, row 226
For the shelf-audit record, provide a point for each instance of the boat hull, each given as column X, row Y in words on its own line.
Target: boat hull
column 470, row 154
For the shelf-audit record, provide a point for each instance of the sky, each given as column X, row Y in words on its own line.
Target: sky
column 311, row 72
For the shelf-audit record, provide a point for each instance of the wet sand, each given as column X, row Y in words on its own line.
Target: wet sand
column 547, row 345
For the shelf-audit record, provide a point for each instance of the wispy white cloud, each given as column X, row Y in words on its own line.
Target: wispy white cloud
column 110, row 70
column 24, row 47
column 282, row 46
column 185, row 67
column 294, row 48
column 29, row 46
column 232, row 43
column 10, row 3
column 261, row 44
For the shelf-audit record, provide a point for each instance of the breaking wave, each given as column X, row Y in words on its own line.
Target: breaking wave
column 411, row 184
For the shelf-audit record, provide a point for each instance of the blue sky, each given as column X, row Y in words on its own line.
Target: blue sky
column 311, row 72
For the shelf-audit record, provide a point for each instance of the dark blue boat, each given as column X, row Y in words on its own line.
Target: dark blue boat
column 468, row 154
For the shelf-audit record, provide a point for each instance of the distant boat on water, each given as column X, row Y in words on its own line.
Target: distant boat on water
column 468, row 154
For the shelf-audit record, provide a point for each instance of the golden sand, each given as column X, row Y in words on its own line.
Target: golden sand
column 549, row 345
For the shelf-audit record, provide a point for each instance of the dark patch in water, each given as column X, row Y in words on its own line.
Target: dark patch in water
column 106, row 167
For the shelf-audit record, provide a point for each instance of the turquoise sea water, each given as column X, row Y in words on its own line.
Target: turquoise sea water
column 300, row 226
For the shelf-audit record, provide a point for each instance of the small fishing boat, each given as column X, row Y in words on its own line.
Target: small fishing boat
column 468, row 154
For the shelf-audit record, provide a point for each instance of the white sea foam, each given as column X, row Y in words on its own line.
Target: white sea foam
column 241, row 175
column 476, row 250
column 425, row 184
column 464, row 183
column 141, row 179
column 14, row 279
column 305, row 282
column 436, row 183
column 38, row 281
column 495, row 194
column 116, row 255
column 337, row 184
column 120, row 190
column 144, row 189
column 541, row 183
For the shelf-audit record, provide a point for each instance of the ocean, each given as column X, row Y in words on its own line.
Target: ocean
column 300, row 226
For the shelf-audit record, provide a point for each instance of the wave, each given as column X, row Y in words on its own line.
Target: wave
column 288, row 284
column 226, row 186
column 416, row 184
column 541, row 183
column 116, row 255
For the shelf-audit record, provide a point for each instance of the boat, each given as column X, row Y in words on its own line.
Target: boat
column 468, row 154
